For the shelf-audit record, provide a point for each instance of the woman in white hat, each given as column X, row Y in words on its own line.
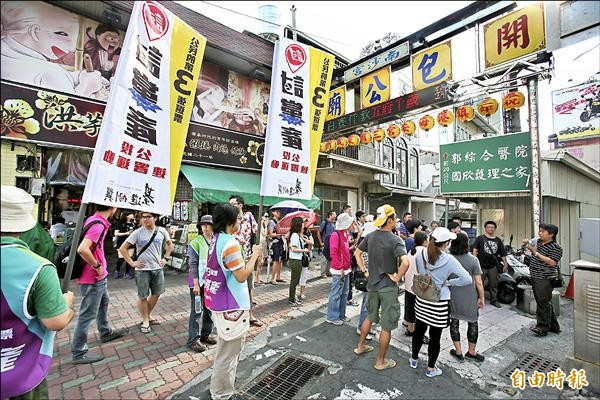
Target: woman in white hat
column 340, row 269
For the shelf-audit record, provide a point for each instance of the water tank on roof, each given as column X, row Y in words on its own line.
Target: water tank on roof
column 269, row 26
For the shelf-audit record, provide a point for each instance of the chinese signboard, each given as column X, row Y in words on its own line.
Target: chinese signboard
column 138, row 154
column 496, row 164
column 299, row 94
column 576, row 111
column 515, row 35
column 375, row 88
column 389, row 110
column 337, row 103
column 47, row 117
column 47, row 46
column 432, row 66
column 390, row 56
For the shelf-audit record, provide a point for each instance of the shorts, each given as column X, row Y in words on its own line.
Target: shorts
column 386, row 301
column 409, row 307
column 277, row 248
column 150, row 282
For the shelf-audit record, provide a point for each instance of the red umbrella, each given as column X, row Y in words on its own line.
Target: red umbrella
column 284, row 225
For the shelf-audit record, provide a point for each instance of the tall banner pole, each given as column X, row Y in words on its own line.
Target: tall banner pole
column 73, row 251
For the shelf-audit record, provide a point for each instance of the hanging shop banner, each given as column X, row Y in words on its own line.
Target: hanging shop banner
column 375, row 88
column 46, row 117
column 576, row 111
column 497, row 164
column 432, row 66
column 337, row 103
column 515, row 35
column 299, row 92
column 390, row 110
column 381, row 60
column 138, row 154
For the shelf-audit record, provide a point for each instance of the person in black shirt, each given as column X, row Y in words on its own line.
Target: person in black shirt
column 126, row 226
column 545, row 258
column 489, row 249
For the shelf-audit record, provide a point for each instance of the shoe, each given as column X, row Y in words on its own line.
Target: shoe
column 434, row 373
column 255, row 322
column 476, row 357
column 413, row 363
column 303, row 297
column 345, row 319
column 208, row 340
column 299, row 300
column 293, row 304
column 337, row 322
column 496, row 304
column 197, row 346
column 88, row 358
column 459, row 357
column 117, row 275
column 145, row 329
column 539, row 331
column 352, row 303
column 128, row 276
column 555, row 330
column 115, row 334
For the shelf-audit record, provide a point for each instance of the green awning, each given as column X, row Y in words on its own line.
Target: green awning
column 210, row 185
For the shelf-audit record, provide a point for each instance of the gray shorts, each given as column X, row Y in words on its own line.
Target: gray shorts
column 150, row 282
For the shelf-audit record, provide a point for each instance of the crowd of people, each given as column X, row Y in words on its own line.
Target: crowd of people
column 443, row 282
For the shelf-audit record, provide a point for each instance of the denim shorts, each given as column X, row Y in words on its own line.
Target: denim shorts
column 150, row 282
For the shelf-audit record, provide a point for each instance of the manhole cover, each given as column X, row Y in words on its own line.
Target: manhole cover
column 529, row 362
column 283, row 379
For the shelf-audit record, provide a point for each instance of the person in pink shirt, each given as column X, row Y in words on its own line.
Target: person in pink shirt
column 93, row 286
column 340, row 270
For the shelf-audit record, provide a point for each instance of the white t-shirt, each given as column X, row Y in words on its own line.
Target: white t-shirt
column 295, row 241
column 152, row 255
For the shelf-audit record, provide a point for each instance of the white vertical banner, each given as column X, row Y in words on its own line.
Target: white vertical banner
column 140, row 145
column 286, row 164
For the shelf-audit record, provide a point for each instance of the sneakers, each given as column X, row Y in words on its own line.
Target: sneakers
column 337, row 322
column 369, row 335
column 115, row 334
column 345, row 319
column 88, row 358
column 413, row 363
column 352, row 303
column 293, row 303
column 197, row 346
column 128, row 276
column 433, row 373
column 476, row 357
column 459, row 357
column 299, row 300
column 117, row 275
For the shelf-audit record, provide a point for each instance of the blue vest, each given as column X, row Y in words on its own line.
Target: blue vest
column 26, row 344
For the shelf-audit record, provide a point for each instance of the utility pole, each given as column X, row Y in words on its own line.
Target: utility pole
column 293, row 10
column 536, row 197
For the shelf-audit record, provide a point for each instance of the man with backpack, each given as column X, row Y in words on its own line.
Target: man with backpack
column 326, row 228
column 93, row 286
column 149, row 241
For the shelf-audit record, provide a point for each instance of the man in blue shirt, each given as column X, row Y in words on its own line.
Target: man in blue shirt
column 326, row 228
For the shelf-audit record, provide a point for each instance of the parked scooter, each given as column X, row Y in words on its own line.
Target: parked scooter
column 592, row 108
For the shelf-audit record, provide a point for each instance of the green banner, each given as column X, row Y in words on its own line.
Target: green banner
column 497, row 164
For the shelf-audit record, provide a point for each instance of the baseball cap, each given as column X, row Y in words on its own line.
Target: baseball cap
column 440, row 235
column 16, row 210
column 383, row 213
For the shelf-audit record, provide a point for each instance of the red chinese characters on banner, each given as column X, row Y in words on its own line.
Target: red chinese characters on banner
column 125, row 162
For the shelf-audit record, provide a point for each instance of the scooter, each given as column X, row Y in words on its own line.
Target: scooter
column 591, row 110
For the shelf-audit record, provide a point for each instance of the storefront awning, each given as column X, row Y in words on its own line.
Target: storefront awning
column 210, row 185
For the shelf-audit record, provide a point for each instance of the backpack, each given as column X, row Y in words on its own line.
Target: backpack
column 326, row 251
column 62, row 256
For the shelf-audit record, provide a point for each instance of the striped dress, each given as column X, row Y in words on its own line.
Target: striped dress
column 434, row 314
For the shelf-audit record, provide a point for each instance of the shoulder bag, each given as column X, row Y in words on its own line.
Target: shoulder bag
column 423, row 286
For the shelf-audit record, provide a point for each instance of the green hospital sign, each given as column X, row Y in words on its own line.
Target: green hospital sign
column 496, row 164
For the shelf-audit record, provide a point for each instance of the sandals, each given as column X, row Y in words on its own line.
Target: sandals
column 145, row 329
column 367, row 349
column 152, row 322
column 388, row 363
column 280, row 280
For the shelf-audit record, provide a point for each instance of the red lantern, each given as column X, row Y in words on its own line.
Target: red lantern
column 426, row 122
column 323, row 147
column 353, row 140
column 513, row 100
column 465, row 113
column 378, row 135
column 393, row 131
column 331, row 144
column 487, row 106
column 342, row 142
column 445, row 118
column 409, row 128
column 366, row 137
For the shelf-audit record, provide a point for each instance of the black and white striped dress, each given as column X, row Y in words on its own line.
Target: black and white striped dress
column 433, row 313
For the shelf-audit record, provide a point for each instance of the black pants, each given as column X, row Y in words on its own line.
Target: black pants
column 351, row 277
column 433, row 349
column 544, row 313
column 472, row 331
column 492, row 277
column 120, row 262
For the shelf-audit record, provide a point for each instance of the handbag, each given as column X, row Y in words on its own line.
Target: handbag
column 423, row 287
column 305, row 260
column 360, row 281
column 231, row 324
column 557, row 281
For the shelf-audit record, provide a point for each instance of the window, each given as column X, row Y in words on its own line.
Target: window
column 413, row 168
column 22, row 183
column 402, row 161
column 388, row 160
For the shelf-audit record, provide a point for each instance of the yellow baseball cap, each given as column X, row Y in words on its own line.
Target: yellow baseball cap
column 383, row 213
